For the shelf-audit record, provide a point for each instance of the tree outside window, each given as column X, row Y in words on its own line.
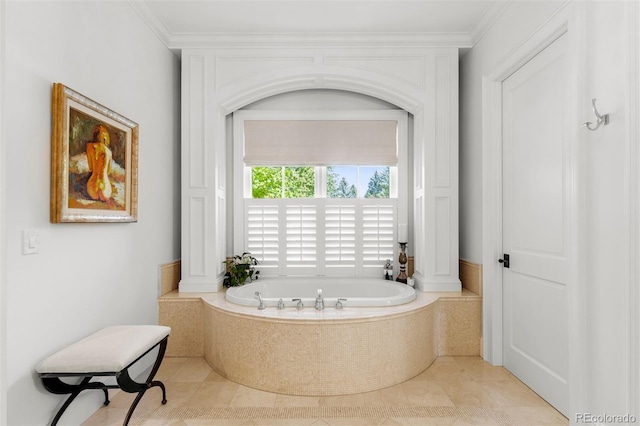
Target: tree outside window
column 358, row 181
column 378, row 186
column 282, row 182
column 341, row 182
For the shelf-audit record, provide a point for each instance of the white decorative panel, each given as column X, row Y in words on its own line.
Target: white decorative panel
column 442, row 236
column 221, row 232
column 418, row 155
column 219, row 124
column 410, row 69
column 197, row 243
column 217, row 81
column 419, row 234
column 230, row 69
column 196, row 130
column 442, row 122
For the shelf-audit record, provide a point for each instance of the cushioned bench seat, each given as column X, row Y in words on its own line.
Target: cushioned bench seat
column 108, row 352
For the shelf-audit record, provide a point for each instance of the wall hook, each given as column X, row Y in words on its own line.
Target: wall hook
column 600, row 119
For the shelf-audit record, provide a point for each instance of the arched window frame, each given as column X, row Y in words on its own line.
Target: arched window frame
column 398, row 193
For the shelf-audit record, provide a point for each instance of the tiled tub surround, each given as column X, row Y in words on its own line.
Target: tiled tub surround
column 184, row 314
column 312, row 352
column 453, row 328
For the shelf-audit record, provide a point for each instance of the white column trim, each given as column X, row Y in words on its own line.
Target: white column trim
column 633, row 19
column 3, row 239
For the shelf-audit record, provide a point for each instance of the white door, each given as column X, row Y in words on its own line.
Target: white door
column 535, row 228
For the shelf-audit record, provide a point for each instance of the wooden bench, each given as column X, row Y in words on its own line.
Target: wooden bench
column 108, row 352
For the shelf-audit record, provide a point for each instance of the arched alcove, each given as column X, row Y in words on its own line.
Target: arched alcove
column 320, row 99
column 422, row 81
column 309, row 101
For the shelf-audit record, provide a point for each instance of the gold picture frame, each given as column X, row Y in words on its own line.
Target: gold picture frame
column 94, row 161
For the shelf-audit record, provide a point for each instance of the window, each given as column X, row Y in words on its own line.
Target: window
column 358, row 181
column 333, row 215
column 339, row 182
column 282, row 182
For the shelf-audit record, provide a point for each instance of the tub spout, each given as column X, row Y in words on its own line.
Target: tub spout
column 261, row 304
column 319, row 300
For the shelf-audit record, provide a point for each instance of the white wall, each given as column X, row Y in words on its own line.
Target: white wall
column 517, row 23
column 3, row 287
column 86, row 276
column 603, row 335
column 605, row 180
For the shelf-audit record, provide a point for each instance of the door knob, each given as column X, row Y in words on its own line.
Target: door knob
column 504, row 260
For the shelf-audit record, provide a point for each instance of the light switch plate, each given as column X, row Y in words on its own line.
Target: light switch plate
column 30, row 243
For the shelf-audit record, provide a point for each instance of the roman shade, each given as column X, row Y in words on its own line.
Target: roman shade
column 320, row 142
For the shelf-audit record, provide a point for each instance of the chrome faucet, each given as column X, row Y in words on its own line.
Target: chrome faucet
column 319, row 300
column 339, row 303
column 299, row 305
column 261, row 305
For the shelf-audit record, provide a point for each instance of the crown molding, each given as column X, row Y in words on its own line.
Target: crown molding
column 292, row 40
column 151, row 19
column 178, row 41
column 487, row 20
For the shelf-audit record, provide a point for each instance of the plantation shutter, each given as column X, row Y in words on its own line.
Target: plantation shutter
column 263, row 233
column 340, row 235
column 320, row 142
column 378, row 233
column 334, row 237
column 301, row 247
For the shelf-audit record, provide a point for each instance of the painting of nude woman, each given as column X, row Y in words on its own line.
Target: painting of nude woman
column 94, row 161
column 96, row 164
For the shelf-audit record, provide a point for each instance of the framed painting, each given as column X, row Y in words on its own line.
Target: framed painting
column 94, row 161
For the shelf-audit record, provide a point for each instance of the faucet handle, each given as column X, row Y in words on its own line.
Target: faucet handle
column 261, row 305
column 300, row 305
column 339, row 303
column 280, row 304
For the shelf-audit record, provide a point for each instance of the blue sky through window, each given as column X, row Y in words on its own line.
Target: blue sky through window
column 350, row 173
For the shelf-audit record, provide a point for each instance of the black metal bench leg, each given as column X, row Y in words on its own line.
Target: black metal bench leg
column 129, row 385
column 150, row 382
column 106, row 397
column 58, row 387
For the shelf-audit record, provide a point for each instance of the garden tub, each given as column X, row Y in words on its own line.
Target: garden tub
column 353, row 292
column 383, row 335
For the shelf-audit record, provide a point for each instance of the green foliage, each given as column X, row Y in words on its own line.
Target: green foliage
column 339, row 188
column 378, row 185
column 266, row 182
column 344, row 190
column 240, row 268
column 299, row 182
column 332, row 182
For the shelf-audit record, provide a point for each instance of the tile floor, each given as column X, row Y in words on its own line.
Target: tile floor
column 449, row 382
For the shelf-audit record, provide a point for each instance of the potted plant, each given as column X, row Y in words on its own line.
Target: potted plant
column 240, row 268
